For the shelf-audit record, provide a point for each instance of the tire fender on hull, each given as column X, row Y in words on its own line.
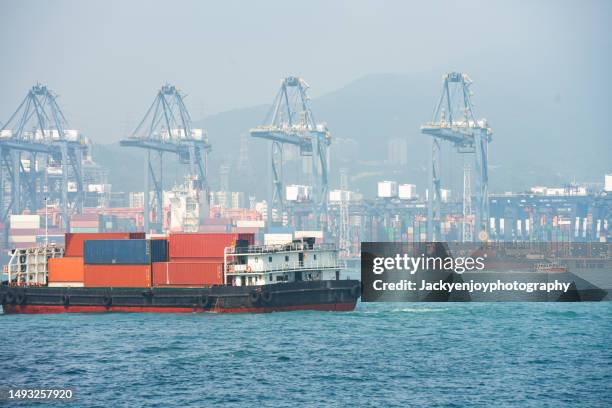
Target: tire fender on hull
column 254, row 297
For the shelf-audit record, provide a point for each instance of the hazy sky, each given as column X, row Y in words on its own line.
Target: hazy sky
column 107, row 58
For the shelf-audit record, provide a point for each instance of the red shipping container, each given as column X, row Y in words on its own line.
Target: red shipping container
column 187, row 273
column 117, row 276
column 200, row 245
column 74, row 241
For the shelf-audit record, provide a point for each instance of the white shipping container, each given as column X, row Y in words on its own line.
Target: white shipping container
column 538, row 190
column 30, row 221
column 6, row 133
column 608, row 183
column 407, row 191
column 277, row 239
column 22, row 239
column 72, row 135
column 387, row 189
column 197, row 134
column 555, row 191
column 308, row 234
column 95, row 188
column 250, row 224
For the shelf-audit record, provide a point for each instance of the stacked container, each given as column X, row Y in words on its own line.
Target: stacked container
column 85, row 223
column 122, row 263
column 70, row 270
column 23, row 229
column 196, row 259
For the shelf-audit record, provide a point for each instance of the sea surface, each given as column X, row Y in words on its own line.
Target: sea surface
column 380, row 355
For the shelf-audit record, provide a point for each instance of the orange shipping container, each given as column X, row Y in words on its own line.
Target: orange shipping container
column 117, row 276
column 68, row 269
column 187, row 273
column 74, row 241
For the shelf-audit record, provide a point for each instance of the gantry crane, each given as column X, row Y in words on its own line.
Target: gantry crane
column 290, row 121
column 166, row 128
column 454, row 121
column 41, row 156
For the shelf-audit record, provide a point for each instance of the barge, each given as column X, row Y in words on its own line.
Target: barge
column 300, row 275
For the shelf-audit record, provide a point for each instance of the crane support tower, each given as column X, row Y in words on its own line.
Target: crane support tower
column 454, row 122
column 40, row 158
column 166, row 128
column 290, row 121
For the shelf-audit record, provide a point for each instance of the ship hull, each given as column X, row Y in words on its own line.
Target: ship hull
column 340, row 295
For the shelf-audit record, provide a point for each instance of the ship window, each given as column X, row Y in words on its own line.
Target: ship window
column 269, row 259
column 314, row 257
column 286, row 258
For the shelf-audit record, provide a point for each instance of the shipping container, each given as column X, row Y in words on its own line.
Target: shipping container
column 117, row 276
column 125, row 251
column 277, row 239
column 68, row 269
column 216, row 221
column 85, row 217
column 24, row 221
column 200, row 245
column 187, row 274
column 22, row 239
column 84, row 230
column 24, row 231
column 250, row 224
column 74, row 242
column 212, row 229
column 84, row 224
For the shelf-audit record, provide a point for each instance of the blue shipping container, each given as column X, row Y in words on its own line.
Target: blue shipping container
column 125, row 251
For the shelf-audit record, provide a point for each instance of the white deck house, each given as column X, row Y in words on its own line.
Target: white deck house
column 297, row 261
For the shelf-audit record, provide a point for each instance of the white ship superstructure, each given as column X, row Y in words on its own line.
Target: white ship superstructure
column 297, row 261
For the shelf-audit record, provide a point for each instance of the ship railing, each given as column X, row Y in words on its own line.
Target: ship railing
column 294, row 246
column 286, row 267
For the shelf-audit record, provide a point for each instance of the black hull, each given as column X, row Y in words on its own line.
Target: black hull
column 337, row 295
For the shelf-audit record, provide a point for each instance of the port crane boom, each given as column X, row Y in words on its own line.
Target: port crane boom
column 454, row 122
column 291, row 121
column 166, row 128
column 40, row 155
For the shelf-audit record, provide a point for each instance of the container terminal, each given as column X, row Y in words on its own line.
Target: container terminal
column 52, row 191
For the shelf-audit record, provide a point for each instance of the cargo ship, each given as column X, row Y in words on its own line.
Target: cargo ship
column 183, row 273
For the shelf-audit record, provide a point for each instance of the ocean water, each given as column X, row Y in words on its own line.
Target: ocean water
column 380, row 355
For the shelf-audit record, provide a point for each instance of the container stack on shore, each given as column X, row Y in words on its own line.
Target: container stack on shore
column 85, row 223
column 23, row 230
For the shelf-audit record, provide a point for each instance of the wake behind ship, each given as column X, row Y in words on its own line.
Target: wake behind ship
column 223, row 273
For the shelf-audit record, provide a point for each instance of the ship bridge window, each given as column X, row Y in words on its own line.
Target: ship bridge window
column 314, row 257
column 269, row 259
column 286, row 258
